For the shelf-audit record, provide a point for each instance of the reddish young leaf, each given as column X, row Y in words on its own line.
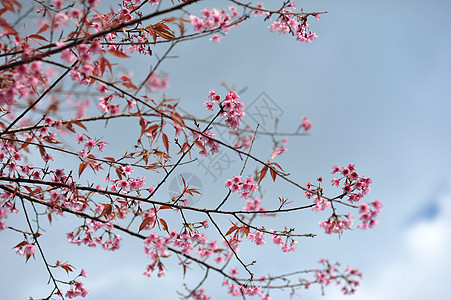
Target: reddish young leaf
column 119, row 173
column 50, row 140
column 166, row 142
column 263, row 173
column 78, row 123
column 28, row 257
column 232, row 229
column 118, row 53
column 144, row 223
column 177, row 118
column 104, row 62
column 21, row 244
column 70, row 127
column 273, row 174
column 163, row 30
column 106, row 210
column 165, row 225
column 199, row 144
column 9, row 5
column 153, row 128
column 192, row 191
column 276, row 152
column 68, row 268
column 42, row 150
column 8, row 28
column 129, row 85
column 184, row 147
column 81, row 168
column 165, row 207
column 277, row 165
column 37, row 36
column 43, row 28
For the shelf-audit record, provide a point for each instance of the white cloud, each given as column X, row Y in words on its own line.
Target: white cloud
column 419, row 267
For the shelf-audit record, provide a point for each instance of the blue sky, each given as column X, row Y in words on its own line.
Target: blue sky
column 376, row 85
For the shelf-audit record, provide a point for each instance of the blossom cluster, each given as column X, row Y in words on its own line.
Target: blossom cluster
column 230, row 107
column 243, row 141
column 157, row 83
column 24, row 81
column 77, row 290
column 111, row 244
column 368, row 213
column 348, row 281
column 156, row 247
column 215, row 19
column 240, row 186
column 207, row 143
column 354, row 186
column 306, row 124
column 254, row 205
column 200, row 295
column 290, row 22
column 337, row 223
column 241, row 290
column 27, row 249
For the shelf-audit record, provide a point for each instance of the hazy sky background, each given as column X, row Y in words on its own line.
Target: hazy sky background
column 376, row 85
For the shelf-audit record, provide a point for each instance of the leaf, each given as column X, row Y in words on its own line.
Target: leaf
column 50, row 140
column 37, row 36
column 199, row 144
column 118, row 53
column 161, row 153
column 26, row 143
column 152, row 33
column 78, row 123
column 273, row 174
column 165, row 207
column 28, row 257
column 165, row 225
column 106, row 210
column 81, row 168
column 21, row 244
column 9, row 5
column 8, row 28
column 129, row 85
column 246, row 230
column 277, row 165
column 181, row 28
column 104, row 62
column 110, row 159
column 177, row 118
column 166, row 142
column 142, row 123
column 43, row 28
column 144, row 223
column 119, row 173
column 163, row 30
column 184, row 147
column 263, row 173
column 191, row 191
column 232, row 229
column 42, row 150
column 152, row 128
column 67, row 267
column 276, row 152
